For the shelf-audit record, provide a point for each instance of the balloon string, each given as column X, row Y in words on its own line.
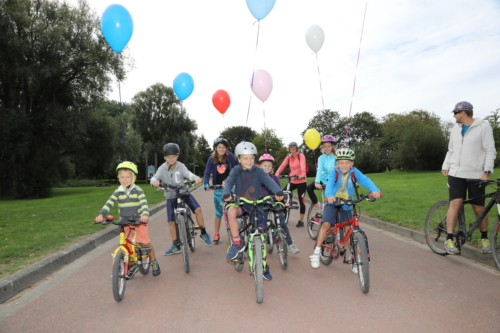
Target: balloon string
column 121, row 106
column 224, row 123
column 265, row 129
column 253, row 72
column 355, row 72
column 179, row 130
column 320, row 87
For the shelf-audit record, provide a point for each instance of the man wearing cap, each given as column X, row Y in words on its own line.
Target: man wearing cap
column 471, row 153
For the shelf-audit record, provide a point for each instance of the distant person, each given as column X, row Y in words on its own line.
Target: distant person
column 471, row 154
column 173, row 172
column 297, row 163
column 219, row 165
column 132, row 204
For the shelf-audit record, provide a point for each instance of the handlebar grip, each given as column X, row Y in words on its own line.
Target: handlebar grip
column 371, row 195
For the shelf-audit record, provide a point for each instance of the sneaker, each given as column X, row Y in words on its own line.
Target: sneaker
column 131, row 271
column 354, row 268
column 293, row 249
column 216, row 239
column 451, row 247
column 267, row 274
column 300, row 224
column 314, row 260
column 486, row 245
column 156, row 268
column 206, row 239
column 234, row 250
column 173, row 250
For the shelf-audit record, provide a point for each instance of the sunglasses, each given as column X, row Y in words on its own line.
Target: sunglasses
column 457, row 112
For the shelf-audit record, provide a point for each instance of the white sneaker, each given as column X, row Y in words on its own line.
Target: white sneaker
column 314, row 260
column 293, row 249
column 354, row 268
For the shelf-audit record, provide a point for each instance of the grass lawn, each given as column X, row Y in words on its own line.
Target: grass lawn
column 31, row 230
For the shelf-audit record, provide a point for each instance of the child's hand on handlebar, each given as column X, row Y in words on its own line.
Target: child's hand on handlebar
column 332, row 199
column 99, row 218
column 318, row 186
column 279, row 196
column 226, row 197
column 156, row 184
column 144, row 219
column 375, row 195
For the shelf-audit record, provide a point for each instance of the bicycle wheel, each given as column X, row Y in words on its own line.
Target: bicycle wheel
column 282, row 247
column 118, row 277
column 191, row 233
column 269, row 234
column 495, row 242
column 287, row 199
column 361, row 258
column 258, row 269
column 181, row 219
column 313, row 221
column 435, row 226
column 326, row 257
column 145, row 262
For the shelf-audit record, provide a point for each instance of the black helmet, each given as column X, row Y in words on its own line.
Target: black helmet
column 171, row 149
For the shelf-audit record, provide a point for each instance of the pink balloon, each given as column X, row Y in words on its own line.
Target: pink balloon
column 262, row 84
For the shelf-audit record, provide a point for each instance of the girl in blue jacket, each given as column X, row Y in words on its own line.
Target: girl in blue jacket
column 326, row 163
column 340, row 185
column 219, row 165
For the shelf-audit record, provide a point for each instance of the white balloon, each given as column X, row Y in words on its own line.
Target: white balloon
column 315, row 37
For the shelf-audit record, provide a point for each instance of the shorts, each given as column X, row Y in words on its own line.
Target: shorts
column 218, row 203
column 141, row 231
column 261, row 222
column 171, row 205
column 330, row 215
column 458, row 188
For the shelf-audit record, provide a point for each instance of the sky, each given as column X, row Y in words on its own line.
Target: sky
column 415, row 54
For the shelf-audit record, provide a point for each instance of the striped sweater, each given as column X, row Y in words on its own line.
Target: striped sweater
column 131, row 205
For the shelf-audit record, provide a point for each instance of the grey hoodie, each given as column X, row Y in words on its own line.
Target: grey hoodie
column 172, row 178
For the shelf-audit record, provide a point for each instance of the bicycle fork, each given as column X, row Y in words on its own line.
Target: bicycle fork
column 251, row 251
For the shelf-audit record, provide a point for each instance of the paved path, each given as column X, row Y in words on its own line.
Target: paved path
column 412, row 290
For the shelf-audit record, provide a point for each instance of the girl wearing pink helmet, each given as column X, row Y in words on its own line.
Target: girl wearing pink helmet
column 326, row 163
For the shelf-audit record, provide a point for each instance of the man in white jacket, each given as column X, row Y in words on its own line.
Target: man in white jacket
column 471, row 154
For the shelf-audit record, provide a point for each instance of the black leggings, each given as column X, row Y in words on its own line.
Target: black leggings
column 301, row 188
column 310, row 191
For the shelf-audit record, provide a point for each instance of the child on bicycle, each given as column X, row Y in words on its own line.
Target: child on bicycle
column 132, row 204
column 218, row 166
column 326, row 163
column 172, row 173
column 247, row 179
column 266, row 163
column 340, row 185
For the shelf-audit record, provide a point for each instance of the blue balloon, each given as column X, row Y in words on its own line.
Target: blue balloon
column 117, row 26
column 260, row 8
column 183, row 85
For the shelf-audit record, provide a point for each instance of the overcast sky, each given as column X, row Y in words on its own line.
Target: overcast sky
column 414, row 55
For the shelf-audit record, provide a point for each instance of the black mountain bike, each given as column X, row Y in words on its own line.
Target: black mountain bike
column 274, row 233
column 288, row 197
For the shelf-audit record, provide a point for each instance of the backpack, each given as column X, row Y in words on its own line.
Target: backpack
column 307, row 166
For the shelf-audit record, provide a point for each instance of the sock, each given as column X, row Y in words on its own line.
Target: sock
column 237, row 240
column 484, row 234
column 203, row 231
column 317, row 250
column 449, row 236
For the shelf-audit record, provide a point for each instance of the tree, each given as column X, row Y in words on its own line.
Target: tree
column 55, row 66
column 236, row 134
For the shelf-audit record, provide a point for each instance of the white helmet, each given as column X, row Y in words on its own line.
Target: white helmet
column 244, row 148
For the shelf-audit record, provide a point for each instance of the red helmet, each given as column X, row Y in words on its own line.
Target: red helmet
column 266, row 157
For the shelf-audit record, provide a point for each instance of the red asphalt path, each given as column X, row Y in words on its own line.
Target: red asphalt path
column 412, row 290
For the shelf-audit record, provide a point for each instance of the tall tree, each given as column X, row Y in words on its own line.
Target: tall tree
column 236, row 134
column 55, row 66
column 275, row 145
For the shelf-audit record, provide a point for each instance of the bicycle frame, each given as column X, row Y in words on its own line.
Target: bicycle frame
column 128, row 247
column 495, row 199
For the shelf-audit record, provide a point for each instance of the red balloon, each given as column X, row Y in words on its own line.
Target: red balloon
column 221, row 100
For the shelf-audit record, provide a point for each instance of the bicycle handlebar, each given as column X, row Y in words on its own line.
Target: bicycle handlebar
column 187, row 183
column 212, row 187
column 111, row 220
column 483, row 181
column 363, row 197
column 287, row 176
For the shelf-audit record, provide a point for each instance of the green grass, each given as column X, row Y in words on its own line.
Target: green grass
column 408, row 196
column 30, row 230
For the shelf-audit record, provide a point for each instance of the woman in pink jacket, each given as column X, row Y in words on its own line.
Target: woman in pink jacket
column 297, row 163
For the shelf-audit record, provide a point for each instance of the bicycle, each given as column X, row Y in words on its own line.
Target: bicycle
column 254, row 240
column 126, row 254
column 184, row 224
column 314, row 216
column 333, row 245
column 435, row 222
column 288, row 197
column 274, row 233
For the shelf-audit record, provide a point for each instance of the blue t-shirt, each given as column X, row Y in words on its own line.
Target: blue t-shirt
column 464, row 130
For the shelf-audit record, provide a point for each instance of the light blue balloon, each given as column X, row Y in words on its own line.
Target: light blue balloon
column 183, row 85
column 117, row 26
column 260, row 8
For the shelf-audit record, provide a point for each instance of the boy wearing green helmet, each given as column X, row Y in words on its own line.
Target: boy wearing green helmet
column 132, row 204
column 341, row 185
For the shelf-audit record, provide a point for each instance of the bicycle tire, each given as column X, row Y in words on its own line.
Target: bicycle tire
column 118, row 279
column 495, row 242
column 282, row 248
column 361, row 260
column 191, row 233
column 269, row 234
column 145, row 262
column 325, row 256
column 435, row 224
column 184, row 241
column 313, row 226
column 258, row 269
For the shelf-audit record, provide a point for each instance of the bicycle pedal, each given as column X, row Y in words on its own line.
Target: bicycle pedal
column 197, row 227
